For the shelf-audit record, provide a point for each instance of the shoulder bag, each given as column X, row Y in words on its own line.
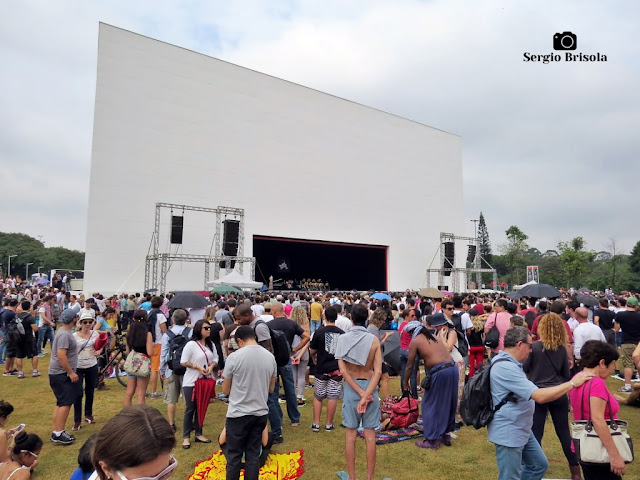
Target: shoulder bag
column 589, row 447
column 137, row 364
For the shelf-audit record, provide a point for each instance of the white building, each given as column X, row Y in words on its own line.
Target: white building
column 175, row 126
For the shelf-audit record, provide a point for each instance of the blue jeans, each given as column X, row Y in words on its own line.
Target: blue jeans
column 413, row 379
column 315, row 324
column 44, row 332
column 521, row 463
column 3, row 345
column 275, row 412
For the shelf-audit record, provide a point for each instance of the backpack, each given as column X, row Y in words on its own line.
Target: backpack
column 463, row 345
column 281, row 348
column 15, row 330
column 152, row 319
column 492, row 338
column 476, row 405
column 176, row 345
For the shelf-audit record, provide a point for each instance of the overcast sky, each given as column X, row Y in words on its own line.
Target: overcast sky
column 551, row 148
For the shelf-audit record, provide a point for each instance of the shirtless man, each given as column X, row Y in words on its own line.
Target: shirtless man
column 360, row 361
column 440, row 398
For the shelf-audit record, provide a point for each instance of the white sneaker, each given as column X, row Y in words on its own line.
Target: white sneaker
column 625, row 389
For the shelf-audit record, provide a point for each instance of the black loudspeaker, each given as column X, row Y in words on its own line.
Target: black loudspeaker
column 471, row 256
column 449, row 254
column 231, row 232
column 176, row 229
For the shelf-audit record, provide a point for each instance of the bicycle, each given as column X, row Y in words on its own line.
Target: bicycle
column 114, row 359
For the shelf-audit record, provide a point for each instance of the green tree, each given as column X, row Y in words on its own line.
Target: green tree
column 514, row 252
column 484, row 244
column 31, row 250
column 634, row 268
column 576, row 262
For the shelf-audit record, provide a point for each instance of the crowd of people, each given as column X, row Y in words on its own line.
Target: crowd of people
column 547, row 356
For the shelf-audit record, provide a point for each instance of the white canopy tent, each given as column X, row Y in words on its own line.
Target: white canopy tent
column 520, row 287
column 234, row 279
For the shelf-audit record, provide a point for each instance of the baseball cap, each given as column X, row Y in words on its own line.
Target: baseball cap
column 632, row 302
column 68, row 316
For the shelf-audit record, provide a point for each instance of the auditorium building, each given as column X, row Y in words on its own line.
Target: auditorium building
column 308, row 185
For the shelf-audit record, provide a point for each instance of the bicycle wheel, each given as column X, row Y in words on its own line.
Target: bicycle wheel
column 121, row 375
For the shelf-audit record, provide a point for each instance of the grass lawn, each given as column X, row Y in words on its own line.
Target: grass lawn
column 470, row 457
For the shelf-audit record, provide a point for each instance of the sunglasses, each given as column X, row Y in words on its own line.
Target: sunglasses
column 448, row 308
column 163, row 475
column 89, row 322
column 206, row 328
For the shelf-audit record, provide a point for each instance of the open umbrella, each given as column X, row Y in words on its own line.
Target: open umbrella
column 392, row 351
column 584, row 290
column 540, row 290
column 447, row 293
column 430, row 292
column 515, row 295
column 224, row 289
column 203, row 391
column 188, row 300
column 588, row 300
column 381, row 296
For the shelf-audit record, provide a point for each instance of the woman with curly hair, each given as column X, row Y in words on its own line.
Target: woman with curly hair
column 300, row 360
column 476, row 341
column 548, row 366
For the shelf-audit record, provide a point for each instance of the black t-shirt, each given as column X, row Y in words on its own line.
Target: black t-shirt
column 475, row 338
column 324, row 342
column 547, row 368
column 6, row 316
column 630, row 323
column 27, row 322
column 288, row 327
column 605, row 318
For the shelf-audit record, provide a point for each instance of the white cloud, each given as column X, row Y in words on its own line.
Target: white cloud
column 549, row 148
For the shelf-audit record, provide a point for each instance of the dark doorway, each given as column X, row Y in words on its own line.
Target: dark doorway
column 345, row 266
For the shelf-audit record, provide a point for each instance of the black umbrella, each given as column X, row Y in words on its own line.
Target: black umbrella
column 539, row 290
column 588, row 300
column 584, row 290
column 514, row 295
column 392, row 351
column 188, row 300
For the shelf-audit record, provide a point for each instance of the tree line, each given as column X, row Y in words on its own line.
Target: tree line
column 570, row 264
column 31, row 250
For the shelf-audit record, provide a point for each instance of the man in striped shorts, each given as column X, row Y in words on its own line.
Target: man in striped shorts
column 328, row 382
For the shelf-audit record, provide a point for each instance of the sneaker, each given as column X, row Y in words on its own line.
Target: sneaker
column 309, row 385
column 278, row 440
column 315, row 427
column 90, row 420
column 156, row 395
column 329, row 428
column 10, row 372
column 35, row 373
column 21, row 375
column 223, row 398
column 76, row 426
column 282, row 400
column 63, row 439
column 624, row 389
column 301, row 403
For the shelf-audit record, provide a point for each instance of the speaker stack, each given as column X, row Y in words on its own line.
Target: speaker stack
column 471, row 256
column 449, row 254
column 231, row 232
column 176, row 229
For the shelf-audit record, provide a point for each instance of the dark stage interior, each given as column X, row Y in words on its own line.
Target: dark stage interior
column 345, row 266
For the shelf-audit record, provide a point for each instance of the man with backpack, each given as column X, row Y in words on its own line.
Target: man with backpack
column 26, row 346
column 518, row 453
column 173, row 342
column 12, row 335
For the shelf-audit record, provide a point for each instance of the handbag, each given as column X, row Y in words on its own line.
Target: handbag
column 137, row 364
column 492, row 338
column 404, row 412
column 589, row 447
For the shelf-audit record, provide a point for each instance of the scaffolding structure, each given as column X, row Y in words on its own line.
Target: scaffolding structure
column 158, row 263
column 456, row 273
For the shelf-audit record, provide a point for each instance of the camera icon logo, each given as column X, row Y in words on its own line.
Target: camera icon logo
column 565, row 41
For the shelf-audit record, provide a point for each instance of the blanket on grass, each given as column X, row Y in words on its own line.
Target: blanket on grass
column 279, row 466
column 393, row 436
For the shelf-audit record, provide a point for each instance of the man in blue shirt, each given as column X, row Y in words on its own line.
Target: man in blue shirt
column 518, row 453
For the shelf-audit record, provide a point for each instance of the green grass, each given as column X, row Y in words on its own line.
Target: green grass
column 471, row 456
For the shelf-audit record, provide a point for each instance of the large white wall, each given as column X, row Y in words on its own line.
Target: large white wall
column 176, row 126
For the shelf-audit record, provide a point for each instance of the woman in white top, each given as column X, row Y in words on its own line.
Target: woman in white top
column 87, row 369
column 199, row 357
